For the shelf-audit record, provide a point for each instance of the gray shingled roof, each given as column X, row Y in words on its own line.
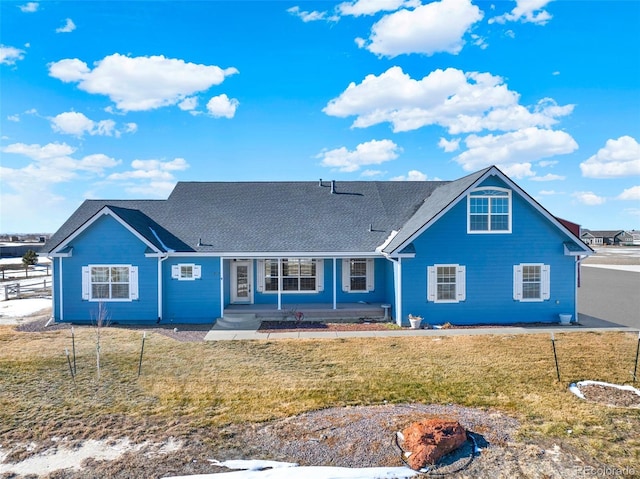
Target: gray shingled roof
column 268, row 217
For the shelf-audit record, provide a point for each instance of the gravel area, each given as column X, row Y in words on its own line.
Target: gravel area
column 364, row 436
column 610, row 395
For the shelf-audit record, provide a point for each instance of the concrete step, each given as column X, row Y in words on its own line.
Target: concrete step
column 237, row 322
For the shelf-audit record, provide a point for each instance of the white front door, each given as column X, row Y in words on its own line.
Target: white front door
column 242, row 282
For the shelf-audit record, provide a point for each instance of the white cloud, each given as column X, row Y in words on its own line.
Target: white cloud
column 545, row 163
column 371, row 7
column 548, row 193
column 412, row 175
column 140, row 83
column 14, row 118
column 221, row 106
column 131, row 127
column 513, row 152
column 632, row 193
column 526, row 11
column 307, row 16
column 589, row 198
column 618, row 158
column 188, row 104
column 29, row 7
column 372, row 173
column 68, row 27
column 374, row 152
column 9, row 55
column 52, row 163
column 150, row 177
column 432, row 28
column 451, row 98
column 548, row 177
column 77, row 124
column 449, row 145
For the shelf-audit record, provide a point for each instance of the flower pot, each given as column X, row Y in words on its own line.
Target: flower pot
column 415, row 322
column 565, row 319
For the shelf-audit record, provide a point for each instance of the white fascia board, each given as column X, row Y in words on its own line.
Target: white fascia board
column 494, row 171
column 61, row 254
column 281, row 254
column 104, row 211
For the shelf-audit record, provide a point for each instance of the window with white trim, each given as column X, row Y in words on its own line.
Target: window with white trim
column 446, row 283
column 290, row 275
column 107, row 282
column 531, row 282
column 358, row 275
column 489, row 210
column 186, row 272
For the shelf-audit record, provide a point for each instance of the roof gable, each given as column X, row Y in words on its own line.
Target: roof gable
column 447, row 196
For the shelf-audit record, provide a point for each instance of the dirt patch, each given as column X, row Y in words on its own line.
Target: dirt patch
column 610, row 394
column 362, row 436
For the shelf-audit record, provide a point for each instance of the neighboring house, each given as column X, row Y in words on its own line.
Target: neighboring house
column 630, row 238
column 475, row 250
column 602, row 238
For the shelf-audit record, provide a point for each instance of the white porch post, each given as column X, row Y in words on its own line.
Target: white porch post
column 279, row 284
column 221, row 287
column 335, row 285
column 397, row 268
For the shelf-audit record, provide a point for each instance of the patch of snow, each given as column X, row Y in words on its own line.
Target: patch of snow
column 14, row 309
column 576, row 390
column 287, row 471
column 66, row 458
column 620, row 267
column 252, row 465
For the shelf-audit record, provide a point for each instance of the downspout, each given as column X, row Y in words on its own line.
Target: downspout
column 575, row 302
column 160, row 299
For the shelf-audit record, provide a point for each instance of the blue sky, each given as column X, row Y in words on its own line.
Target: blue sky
column 120, row 99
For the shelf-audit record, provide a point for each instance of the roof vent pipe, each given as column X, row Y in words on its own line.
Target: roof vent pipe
column 320, row 182
column 333, row 187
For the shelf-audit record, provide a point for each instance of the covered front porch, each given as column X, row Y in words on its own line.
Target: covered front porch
column 342, row 312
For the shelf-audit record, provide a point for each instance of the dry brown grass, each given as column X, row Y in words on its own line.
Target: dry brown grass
column 186, row 387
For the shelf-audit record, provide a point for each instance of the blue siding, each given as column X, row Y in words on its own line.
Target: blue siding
column 106, row 241
column 489, row 261
column 195, row 301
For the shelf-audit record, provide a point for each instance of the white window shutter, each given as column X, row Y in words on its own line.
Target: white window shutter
column 346, row 275
column 371, row 282
column 431, row 283
column 133, row 282
column 197, row 271
column 517, row 282
column 260, row 278
column 86, row 283
column 546, row 281
column 319, row 275
column 175, row 271
column 461, row 287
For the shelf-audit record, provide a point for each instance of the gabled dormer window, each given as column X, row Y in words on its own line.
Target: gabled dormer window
column 489, row 210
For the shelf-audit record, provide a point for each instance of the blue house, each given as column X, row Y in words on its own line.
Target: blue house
column 475, row 250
